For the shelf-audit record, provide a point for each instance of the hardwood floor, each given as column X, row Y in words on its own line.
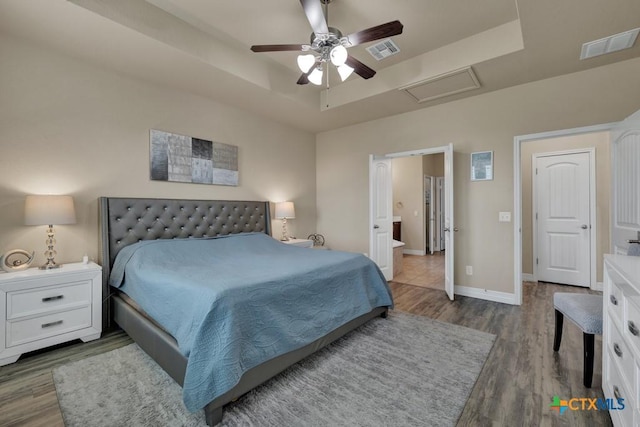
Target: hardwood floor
column 515, row 388
column 522, row 373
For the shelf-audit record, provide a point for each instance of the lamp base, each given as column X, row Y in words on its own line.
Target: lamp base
column 50, row 266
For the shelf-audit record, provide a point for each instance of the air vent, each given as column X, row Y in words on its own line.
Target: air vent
column 443, row 85
column 384, row 49
column 609, row 44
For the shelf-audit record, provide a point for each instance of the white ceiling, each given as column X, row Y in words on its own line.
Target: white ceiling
column 202, row 46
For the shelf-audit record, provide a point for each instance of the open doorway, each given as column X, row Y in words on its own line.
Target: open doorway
column 418, row 220
column 381, row 211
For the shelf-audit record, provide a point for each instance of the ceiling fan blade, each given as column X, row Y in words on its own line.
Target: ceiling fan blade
column 315, row 16
column 303, row 80
column 276, row 47
column 382, row 31
column 359, row 68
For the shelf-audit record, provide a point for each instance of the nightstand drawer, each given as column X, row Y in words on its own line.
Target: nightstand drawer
column 44, row 300
column 23, row 331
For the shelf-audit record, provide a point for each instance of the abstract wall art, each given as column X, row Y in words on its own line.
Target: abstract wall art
column 181, row 158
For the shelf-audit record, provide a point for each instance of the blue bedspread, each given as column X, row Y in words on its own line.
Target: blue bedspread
column 236, row 301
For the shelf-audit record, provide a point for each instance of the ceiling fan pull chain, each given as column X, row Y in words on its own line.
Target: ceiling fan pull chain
column 327, row 96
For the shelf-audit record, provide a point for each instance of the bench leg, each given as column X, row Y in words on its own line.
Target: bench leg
column 558, row 334
column 589, row 340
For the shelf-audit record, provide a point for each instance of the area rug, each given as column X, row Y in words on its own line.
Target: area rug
column 401, row 371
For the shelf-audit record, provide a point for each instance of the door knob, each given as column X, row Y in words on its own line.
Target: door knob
column 455, row 229
column 584, row 226
column 446, row 229
column 376, row 226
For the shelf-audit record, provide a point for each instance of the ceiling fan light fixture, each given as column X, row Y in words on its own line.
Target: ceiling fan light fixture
column 316, row 76
column 345, row 71
column 338, row 55
column 305, row 62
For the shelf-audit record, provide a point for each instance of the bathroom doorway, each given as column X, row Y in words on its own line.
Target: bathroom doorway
column 418, row 214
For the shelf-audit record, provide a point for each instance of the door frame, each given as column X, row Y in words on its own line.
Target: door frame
column 517, row 193
column 449, row 254
column 592, row 209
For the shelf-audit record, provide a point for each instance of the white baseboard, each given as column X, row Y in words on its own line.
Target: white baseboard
column 528, row 277
column 599, row 286
column 413, row 252
column 485, row 294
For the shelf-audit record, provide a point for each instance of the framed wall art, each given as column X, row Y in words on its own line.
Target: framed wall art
column 482, row 166
column 181, row 158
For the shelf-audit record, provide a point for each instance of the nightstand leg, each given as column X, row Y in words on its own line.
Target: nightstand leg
column 9, row 360
column 91, row 337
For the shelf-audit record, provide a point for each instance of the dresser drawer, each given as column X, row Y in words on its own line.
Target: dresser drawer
column 615, row 388
column 620, row 352
column 44, row 300
column 36, row 328
column 614, row 302
column 631, row 325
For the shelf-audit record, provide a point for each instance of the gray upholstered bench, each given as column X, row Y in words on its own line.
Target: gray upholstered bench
column 586, row 312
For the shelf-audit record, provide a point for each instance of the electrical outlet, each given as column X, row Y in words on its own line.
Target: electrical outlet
column 504, row 217
column 469, row 270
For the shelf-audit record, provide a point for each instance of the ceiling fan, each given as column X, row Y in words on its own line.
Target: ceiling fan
column 329, row 45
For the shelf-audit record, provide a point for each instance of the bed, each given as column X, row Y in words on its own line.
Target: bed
column 139, row 228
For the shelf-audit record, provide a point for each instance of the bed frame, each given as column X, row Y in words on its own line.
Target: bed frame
column 129, row 220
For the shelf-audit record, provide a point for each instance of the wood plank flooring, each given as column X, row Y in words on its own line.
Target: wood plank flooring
column 515, row 387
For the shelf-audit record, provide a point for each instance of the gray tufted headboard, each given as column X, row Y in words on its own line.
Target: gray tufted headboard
column 124, row 221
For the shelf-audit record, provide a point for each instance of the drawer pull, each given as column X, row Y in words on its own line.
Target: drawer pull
column 48, row 325
column 613, row 299
column 616, row 392
column 48, row 299
column 633, row 328
column 616, row 349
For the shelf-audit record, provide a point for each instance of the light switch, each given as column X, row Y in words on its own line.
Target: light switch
column 504, row 217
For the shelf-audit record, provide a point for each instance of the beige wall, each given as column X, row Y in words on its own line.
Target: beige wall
column 68, row 127
column 599, row 141
column 433, row 164
column 485, row 122
column 408, row 200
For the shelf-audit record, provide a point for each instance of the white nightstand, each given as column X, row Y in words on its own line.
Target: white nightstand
column 40, row 308
column 303, row 243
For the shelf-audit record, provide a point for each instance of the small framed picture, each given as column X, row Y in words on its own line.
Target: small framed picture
column 482, row 166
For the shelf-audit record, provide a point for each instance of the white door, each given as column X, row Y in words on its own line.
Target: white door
column 449, row 227
column 563, row 229
column 625, row 212
column 381, row 222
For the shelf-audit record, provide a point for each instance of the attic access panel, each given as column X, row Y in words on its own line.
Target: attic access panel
column 446, row 84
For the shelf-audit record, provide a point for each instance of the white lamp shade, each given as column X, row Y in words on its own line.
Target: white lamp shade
column 49, row 210
column 305, row 62
column 285, row 210
column 345, row 71
column 316, row 76
column 338, row 55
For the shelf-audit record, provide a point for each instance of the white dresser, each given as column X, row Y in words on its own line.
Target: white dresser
column 621, row 338
column 40, row 308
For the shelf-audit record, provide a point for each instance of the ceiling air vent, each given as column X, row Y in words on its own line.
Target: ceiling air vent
column 384, row 49
column 443, row 85
column 609, row 44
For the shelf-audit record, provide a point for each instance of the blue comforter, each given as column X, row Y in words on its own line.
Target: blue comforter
column 236, row 301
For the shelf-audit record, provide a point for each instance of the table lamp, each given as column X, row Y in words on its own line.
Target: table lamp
column 49, row 210
column 284, row 211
